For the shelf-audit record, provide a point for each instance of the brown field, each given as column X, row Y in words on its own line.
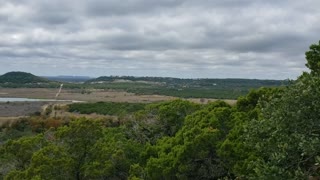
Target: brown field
column 92, row 96
column 17, row 109
column 76, row 94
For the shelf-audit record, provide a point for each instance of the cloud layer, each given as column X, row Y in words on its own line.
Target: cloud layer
column 179, row 38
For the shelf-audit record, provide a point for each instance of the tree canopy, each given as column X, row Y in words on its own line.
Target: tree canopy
column 313, row 58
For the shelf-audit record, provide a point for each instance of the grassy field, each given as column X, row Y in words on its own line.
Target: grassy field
column 92, row 95
column 124, row 101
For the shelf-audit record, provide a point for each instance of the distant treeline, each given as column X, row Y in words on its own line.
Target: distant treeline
column 205, row 82
column 184, row 88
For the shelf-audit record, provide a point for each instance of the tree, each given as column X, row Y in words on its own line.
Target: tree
column 191, row 153
column 233, row 150
column 82, row 150
column 285, row 138
column 113, row 155
column 79, row 139
column 21, row 150
column 159, row 120
column 313, row 58
column 51, row 162
column 17, row 155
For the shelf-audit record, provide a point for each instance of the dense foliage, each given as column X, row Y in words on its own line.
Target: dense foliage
column 106, row 108
column 21, row 78
column 313, row 58
column 271, row 133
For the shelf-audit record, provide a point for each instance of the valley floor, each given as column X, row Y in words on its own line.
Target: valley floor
column 11, row 111
column 93, row 95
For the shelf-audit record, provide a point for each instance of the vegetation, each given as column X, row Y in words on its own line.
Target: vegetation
column 183, row 88
column 271, row 133
column 106, row 108
column 70, row 79
column 313, row 58
column 21, row 78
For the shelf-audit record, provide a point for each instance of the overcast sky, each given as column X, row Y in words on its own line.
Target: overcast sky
column 263, row 39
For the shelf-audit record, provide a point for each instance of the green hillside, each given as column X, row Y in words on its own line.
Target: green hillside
column 189, row 83
column 21, row 78
column 184, row 88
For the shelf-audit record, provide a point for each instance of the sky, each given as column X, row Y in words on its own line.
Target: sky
column 256, row 39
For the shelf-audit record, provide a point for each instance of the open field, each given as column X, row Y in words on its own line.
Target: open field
column 80, row 95
column 92, row 95
column 18, row 109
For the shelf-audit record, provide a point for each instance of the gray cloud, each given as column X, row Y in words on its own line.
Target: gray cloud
column 181, row 38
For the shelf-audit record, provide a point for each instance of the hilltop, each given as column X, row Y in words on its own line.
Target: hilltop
column 21, row 78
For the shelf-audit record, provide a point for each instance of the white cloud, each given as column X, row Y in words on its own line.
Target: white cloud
column 181, row 38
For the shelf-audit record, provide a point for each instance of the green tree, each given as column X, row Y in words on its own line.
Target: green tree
column 286, row 137
column 82, row 150
column 112, row 156
column 191, row 153
column 20, row 151
column 79, row 139
column 16, row 155
column 313, row 58
column 51, row 162
column 233, row 150
column 161, row 119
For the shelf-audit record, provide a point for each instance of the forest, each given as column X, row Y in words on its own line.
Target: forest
column 271, row 133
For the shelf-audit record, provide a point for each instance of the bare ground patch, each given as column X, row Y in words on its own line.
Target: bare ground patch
column 14, row 109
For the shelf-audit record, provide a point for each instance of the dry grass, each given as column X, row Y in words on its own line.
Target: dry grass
column 94, row 95
column 13, row 110
column 9, row 120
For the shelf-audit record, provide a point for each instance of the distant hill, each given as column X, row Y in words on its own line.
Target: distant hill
column 184, row 88
column 21, row 78
column 206, row 82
